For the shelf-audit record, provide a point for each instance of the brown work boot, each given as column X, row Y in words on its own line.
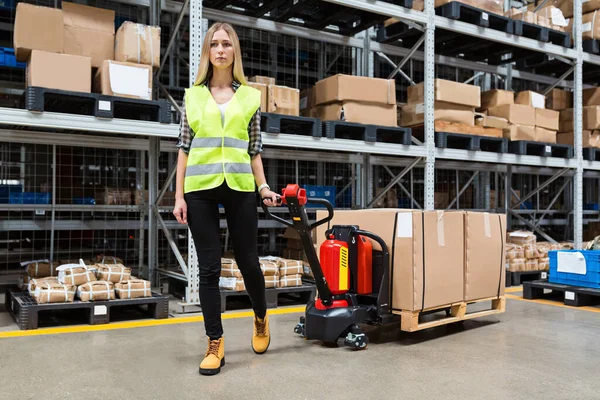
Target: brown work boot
column 214, row 358
column 261, row 338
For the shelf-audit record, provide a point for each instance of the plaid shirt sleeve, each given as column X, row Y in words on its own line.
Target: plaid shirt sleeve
column 186, row 134
column 254, row 133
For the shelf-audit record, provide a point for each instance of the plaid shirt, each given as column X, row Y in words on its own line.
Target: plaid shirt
column 186, row 133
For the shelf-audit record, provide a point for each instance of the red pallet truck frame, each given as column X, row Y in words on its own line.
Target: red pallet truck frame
column 352, row 279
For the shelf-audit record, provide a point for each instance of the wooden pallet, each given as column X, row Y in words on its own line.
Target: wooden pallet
column 410, row 320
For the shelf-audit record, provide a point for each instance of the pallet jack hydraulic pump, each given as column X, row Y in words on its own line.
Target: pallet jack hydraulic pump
column 352, row 278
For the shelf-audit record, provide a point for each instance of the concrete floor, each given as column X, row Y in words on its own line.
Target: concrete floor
column 534, row 351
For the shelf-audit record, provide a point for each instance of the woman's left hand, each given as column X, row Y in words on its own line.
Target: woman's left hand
column 269, row 197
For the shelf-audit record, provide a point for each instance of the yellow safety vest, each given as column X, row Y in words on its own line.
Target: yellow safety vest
column 219, row 152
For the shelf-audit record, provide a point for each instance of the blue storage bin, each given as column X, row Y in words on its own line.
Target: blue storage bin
column 84, row 200
column 591, row 206
column 7, row 4
column 30, row 198
column 321, row 192
column 8, row 58
column 7, row 190
column 590, row 279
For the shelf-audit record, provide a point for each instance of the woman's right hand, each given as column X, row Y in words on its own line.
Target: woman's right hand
column 180, row 211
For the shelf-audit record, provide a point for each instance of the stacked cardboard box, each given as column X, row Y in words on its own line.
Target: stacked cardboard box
column 61, row 46
column 549, row 17
column 454, row 102
column 524, row 253
column 431, row 264
column 276, row 99
column 546, row 121
column 590, row 121
column 355, row 99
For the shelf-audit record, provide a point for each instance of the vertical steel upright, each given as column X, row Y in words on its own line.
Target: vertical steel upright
column 197, row 30
column 429, row 98
column 577, row 128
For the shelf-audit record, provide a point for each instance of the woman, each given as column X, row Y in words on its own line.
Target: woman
column 219, row 163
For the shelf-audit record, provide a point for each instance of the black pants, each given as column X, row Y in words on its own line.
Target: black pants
column 242, row 220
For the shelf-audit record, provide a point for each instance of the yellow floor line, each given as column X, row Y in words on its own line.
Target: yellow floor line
column 553, row 303
column 513, row 289
column 140, row 324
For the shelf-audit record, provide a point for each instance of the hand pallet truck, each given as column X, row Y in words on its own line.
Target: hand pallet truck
column 352, row 279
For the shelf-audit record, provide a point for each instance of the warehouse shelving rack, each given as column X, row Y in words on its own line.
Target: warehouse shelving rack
column 155, row 138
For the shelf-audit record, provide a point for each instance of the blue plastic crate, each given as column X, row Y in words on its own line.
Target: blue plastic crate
column 591, row 206
column 6, row 190
column 84, row 200
column 321, row 192
column 30, row 198
column 590, row 279
column 8, row 58
column 7, row 4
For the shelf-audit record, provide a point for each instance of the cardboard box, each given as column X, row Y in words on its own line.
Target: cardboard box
column 264, row 94
column 448, row 92
column 59, row 71
column 548, row 119
column 290, row 267
column 138, row 43
column 492, row 6
column 75, row 274
column 520, row 15
column 545, row 135
column 553, row 16
column 133, row 289
column 520, row 132
column 284, row 100
column 96, row 291
column 40, row 269
column 113, row 273
column 402, row 231
column 265, row 80
column 494, row 98
column 588, row 138
column 559, row 99
column 355, row 88
column 37, row 28
column 235, row 284
column 529, row 98
column 53, row 292
column 591, row 119
column 414, row 114
column 591, row 97
column 492, row 122
column 484, row 255
column 229, row 268
column 124, row 79
column 290, row 280
column 362, row 113
column 590, row 25
column 271, row 281
column 514, row 113
column 89, row 31
column 307, row 99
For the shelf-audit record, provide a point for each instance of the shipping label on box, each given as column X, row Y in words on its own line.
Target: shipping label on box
column 529, row 98
column 122, row 79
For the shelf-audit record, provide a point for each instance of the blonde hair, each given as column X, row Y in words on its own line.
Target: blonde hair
column 205, row 67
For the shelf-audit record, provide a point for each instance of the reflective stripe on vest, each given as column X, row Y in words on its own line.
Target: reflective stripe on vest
column 219, row 151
